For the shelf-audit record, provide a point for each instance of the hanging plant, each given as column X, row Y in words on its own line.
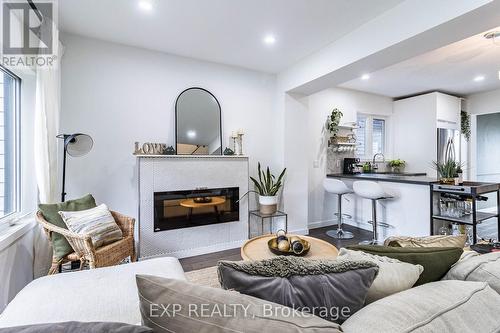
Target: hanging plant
column 333, row 121
column 465, row 124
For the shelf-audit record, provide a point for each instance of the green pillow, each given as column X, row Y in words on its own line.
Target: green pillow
column 50, row 212
column 436, row 261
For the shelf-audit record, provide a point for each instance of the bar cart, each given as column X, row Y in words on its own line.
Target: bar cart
column 463, row 209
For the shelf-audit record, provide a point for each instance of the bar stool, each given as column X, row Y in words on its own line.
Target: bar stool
column 374, row 192
column 339, row 188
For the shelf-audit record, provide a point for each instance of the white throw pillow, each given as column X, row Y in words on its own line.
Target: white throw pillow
column 393, row 275
column 96, row 222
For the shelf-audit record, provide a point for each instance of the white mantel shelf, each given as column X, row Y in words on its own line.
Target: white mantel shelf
column 193, row 156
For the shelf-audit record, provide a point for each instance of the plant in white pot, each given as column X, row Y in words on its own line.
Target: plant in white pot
column 267, row 187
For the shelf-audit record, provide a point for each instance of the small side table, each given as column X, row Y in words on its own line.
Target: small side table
column 257, row 214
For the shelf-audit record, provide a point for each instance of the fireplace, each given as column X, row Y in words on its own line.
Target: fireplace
column 193, row 208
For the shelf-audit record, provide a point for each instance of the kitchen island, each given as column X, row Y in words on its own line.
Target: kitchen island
column 407, row 214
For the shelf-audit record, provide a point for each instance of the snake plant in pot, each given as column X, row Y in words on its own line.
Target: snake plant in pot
column 267, row 187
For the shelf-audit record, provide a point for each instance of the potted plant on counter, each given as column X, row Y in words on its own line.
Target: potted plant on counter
column 447, row 171
column 267, row 187
column 397, row 166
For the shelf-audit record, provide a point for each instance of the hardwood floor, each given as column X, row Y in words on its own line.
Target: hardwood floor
column 211, row 259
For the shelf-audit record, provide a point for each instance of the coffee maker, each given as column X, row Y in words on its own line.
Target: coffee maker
column 351, row 166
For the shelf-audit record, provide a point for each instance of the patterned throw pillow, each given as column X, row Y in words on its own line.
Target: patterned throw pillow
column 96, row 222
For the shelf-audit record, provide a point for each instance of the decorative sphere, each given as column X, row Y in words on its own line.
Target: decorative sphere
column 284, row 246
column 297, row 247
column 280, row 238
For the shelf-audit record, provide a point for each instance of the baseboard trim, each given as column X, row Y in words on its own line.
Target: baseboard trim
column 321, row 224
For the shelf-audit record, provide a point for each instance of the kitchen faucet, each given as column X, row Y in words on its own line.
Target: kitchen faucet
column 374, row 164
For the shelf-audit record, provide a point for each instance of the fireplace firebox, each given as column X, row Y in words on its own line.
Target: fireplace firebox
column 193, row 208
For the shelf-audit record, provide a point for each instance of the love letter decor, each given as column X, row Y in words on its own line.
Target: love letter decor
column 149, row 148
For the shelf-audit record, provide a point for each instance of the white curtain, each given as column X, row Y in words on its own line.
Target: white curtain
column 47, row 109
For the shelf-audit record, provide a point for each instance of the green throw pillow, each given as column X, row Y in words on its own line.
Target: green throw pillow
column 60, row 245
column 436, row 261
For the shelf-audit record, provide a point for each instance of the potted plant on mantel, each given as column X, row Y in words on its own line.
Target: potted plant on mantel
column 447, row 171
column 267, row 187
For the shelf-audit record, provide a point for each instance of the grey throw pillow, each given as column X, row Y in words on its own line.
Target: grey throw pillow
column 169, row 305
column 77, row 327
column 330, row 289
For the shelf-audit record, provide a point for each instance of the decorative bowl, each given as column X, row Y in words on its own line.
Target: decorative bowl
column 202, row 199
column 273, row 247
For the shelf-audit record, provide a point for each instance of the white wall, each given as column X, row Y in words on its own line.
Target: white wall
column 121, row 94
column 350, row 102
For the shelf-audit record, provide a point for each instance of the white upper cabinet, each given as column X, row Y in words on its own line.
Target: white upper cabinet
column 447, row 111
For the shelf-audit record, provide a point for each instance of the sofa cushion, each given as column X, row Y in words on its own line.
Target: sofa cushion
column 169, row 305
column 50, row 212
column 393, row 275
column 339, row 285
column 97, row 222
column 443, row 306
column 427, row 241
column 435, row 260
column 477, row 267
column 78, row 327
column 102, row 294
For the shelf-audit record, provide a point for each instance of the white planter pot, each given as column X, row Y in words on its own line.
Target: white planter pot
column 268, row 204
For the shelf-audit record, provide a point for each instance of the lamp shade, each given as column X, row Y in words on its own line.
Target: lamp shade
column 78, row 144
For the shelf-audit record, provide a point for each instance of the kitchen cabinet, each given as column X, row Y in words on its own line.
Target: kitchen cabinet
column 447, row 111
column 416, row 120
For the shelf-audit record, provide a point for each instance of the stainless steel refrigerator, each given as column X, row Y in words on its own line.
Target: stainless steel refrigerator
column 448, row 145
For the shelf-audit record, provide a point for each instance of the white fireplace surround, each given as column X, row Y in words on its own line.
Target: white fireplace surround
column 188, row 172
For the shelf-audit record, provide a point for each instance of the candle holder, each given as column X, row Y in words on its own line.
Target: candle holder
column 240, row 142
column 235, row 148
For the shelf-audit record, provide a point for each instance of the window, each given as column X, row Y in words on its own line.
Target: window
column 371, row 135
column 9, row 144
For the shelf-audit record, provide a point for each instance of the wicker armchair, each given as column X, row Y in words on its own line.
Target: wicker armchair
column 108, row 255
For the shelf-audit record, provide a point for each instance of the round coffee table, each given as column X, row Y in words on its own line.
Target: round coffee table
column 256, row 248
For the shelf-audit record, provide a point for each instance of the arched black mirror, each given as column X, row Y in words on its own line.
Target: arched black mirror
column 198, row 123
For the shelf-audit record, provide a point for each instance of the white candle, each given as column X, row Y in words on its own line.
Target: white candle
column 240, row 131
column 233, row 134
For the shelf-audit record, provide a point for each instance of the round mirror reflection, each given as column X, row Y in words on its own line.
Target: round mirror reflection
column 198, row 123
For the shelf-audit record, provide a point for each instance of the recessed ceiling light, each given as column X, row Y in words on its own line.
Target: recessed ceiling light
column 145, row 5
column 365, row 76
column 269, row 40
column 479, row 78
column 191, row 134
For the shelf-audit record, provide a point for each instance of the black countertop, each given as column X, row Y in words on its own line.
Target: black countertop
column 417, row 180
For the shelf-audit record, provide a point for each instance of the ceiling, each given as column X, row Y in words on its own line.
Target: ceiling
column 450, row 69
column 223, row 31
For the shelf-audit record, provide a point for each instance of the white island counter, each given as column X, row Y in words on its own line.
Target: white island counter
column 408, row 214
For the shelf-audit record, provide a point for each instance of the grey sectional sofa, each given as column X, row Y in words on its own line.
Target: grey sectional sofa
column 110, row 294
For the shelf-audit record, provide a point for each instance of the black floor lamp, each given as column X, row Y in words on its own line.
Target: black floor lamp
column 75, row 145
